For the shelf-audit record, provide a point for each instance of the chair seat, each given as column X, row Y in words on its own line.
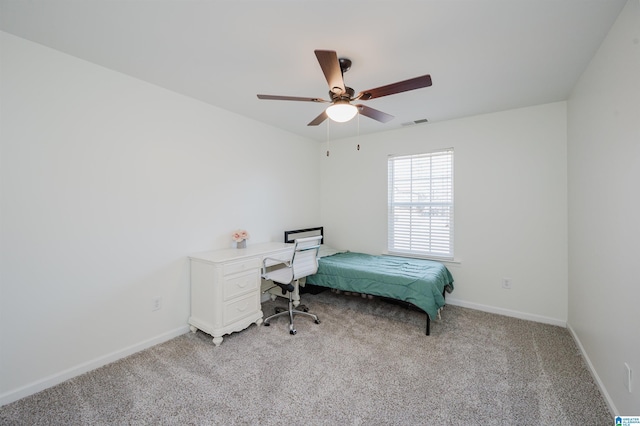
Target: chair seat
column 282, row 275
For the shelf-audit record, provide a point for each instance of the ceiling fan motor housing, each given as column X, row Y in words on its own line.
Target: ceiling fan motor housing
column 347, row 95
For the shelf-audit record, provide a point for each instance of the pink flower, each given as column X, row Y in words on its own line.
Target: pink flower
column 240, row 235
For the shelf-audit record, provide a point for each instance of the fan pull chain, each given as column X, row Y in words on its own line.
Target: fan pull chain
column 328, row 121
column 358, row 134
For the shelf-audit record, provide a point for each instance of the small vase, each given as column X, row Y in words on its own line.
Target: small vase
column 241, row 244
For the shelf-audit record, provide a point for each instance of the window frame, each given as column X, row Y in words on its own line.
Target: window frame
column 440, row 184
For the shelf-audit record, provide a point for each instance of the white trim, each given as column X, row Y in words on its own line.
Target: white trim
column 72, row 372
column 506, row 312
column 434, row 190
column 607, row 397
column 418, row 256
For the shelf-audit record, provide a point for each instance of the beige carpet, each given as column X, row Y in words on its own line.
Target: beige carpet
column 367, row 363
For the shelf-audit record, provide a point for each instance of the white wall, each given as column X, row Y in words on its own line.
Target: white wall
column 510, row 204
column 604, row 229
column 108, row 183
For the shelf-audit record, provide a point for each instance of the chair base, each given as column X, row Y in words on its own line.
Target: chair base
column 280, row 312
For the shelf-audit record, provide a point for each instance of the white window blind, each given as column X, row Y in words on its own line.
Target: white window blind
column 421, row 204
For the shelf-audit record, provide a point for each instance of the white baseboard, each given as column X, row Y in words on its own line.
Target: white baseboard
column 506, row 312
column 72, row 372
column 607, row 397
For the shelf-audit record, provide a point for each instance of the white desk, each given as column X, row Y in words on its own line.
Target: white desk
column 225, row 287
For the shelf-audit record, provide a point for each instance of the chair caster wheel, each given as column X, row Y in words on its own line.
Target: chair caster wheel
column 266, row 324
column 292, row 332
column 317, row 321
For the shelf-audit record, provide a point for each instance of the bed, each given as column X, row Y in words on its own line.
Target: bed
column 420, row 283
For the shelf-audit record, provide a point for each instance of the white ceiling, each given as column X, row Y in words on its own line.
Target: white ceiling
column 483, row 55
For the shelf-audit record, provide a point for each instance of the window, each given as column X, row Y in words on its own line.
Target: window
column 421, row 204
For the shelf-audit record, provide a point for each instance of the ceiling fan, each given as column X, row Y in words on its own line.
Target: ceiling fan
column 341, row 108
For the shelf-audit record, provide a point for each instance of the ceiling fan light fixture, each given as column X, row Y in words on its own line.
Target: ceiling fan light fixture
column 341, row 111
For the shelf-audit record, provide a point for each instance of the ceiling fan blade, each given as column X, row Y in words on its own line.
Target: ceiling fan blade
column 330, row 65
column 399, row 87
column 290, row 98
column 380, row 116
column 319, row 119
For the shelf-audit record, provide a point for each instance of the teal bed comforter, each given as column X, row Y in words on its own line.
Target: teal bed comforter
column 417, row 281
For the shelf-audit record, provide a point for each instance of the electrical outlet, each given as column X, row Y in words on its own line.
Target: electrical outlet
column 628, row 376
column 156, row 303
column 506, row 283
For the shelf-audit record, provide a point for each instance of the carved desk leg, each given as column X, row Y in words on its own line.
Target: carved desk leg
column 217, row 340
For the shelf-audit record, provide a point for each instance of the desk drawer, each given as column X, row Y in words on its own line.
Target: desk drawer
column 239, row 284
column 245, row 265
column 234, row 311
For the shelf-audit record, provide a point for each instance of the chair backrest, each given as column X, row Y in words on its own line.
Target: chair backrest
column 305, row 256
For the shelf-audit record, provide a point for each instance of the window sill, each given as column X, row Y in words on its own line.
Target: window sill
column 453, row 261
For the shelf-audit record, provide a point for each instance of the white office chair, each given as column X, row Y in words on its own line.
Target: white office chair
column 304, row 262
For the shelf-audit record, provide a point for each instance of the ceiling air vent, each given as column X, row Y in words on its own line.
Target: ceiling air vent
column 411, row 123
